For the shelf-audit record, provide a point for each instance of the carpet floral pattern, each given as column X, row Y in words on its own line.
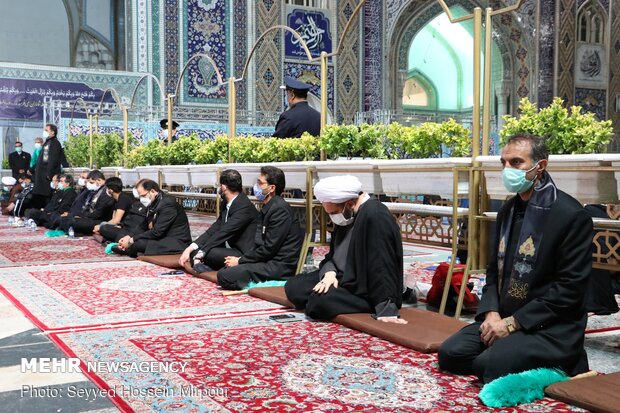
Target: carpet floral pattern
column 251, row 363
column 61, row 296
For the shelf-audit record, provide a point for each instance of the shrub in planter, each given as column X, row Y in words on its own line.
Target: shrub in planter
column 212, row 151
column 107, row 150
column 370, row 142
column 183, row 151
column 339, row 140
column 77, row 151
column 566, row 132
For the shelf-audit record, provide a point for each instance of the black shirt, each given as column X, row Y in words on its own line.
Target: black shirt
column 123, row 202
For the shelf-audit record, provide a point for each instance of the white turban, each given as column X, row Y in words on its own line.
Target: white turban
column 337, row 189
column 8, row 180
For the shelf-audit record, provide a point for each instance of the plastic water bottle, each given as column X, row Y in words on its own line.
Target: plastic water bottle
column 33, row 225
column 71, row 232
column 457, row 261
column 11, row 220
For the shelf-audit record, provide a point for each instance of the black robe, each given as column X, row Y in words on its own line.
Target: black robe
column 552, row 321
column 47, row 166
column 372, row 280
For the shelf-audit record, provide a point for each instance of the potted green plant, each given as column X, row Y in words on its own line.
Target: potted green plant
column 575, row 139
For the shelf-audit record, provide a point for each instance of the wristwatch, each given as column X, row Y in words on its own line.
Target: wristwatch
column 510, row 324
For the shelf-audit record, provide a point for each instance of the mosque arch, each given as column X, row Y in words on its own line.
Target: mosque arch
column 415, row 16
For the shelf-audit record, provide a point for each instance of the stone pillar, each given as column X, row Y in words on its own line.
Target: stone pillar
column 502, row 92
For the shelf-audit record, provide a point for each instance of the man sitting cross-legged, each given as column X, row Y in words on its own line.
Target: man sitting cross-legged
column 129, row 217
column 231, row 234
column 277, row 242
column 62, row 199
column 167, row 225
column 363, row 271
column 98, row 208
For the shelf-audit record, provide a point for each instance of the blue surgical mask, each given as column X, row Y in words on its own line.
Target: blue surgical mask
column 258, row 193
column 60, row 186
column 515, row 180
column 18, row 149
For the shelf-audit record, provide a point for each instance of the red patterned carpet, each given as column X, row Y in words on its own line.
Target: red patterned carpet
column 80, row 295
column 251, row 363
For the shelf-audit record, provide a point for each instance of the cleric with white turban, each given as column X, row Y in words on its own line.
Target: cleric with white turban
column 337, row 189
column 363, row 271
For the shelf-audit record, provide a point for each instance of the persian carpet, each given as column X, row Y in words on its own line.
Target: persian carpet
column 252, row 363
column 91, row 294
column 41, row 251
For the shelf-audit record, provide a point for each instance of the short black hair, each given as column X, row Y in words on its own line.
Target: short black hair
column 19, row 143
column 53, row 128
column 68, row 179
column 148, row 184
column 23, row 176
column 274, row 176
column 114, row 184
column 232, row 179
column 96, row 174
column 539, row 148
column 301, row 94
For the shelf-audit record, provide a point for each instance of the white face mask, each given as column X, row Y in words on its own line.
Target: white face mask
column 90, row 187
column 340, row 220
column 145, row 201
column 165, row 133
column 81, row 182
column 45, row 134
column 52, row 185
column 135, row 193
column 37, row 145
column 96, row 187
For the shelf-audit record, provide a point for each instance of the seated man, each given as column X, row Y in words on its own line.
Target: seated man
column 8, row 208
column 61, row 200
column 23, row 198
column 167, row 225
column 84, row 196
column 532, row 312
column 99, row 207
column 129, row 217
column 277, row 242
column 233, row 231
column 363, row 271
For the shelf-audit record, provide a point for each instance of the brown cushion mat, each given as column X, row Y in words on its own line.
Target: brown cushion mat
column 597, row 394
column 271, row 294
column 168, row 261
column 209, row 276
column 424, row 333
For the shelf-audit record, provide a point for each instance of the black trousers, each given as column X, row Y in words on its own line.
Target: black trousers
column 465, row 353
column 113, row 233
column 323, row 306
column 216, row 256
column 40, row 217
column 239, row 276
column 80, row 225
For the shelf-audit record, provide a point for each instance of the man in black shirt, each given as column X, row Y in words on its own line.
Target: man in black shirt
column 129, row 215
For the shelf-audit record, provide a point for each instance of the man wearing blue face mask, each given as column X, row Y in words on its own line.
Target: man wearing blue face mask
column 363, row 271
column 532, row 313
column 277, row 240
